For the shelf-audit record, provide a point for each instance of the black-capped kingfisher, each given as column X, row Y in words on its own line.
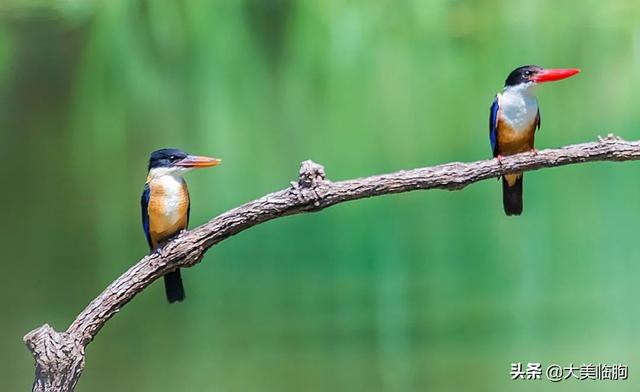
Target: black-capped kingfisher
column 165, row 204
column 513, row 121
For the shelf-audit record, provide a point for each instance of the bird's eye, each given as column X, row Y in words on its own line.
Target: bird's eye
column 173, row 157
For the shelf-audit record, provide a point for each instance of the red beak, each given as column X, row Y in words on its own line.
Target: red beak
column 551, row 75
column 197, row 161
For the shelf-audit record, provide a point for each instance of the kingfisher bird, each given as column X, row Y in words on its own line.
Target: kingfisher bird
column 165, row 204
column 513, row 121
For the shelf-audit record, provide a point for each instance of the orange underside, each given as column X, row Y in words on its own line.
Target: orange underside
column 511, row 142
column 162, row 224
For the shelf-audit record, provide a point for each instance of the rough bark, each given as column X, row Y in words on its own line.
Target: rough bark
column 59, row 356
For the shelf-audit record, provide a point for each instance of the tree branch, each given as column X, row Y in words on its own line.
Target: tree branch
column 59, row 356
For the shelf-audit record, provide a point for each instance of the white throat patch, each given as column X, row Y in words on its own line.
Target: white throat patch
column 175, row 171
column 518, row 106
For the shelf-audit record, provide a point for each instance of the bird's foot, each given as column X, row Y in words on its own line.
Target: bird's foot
column 499, row 158
column 534, row 152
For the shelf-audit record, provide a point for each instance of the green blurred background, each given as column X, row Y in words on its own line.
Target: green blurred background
column 430, row 290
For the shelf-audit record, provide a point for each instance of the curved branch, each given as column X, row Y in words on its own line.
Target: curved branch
column 60, row 355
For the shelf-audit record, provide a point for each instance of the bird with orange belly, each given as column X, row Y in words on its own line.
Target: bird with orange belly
column 165, row 204
column 513, row 121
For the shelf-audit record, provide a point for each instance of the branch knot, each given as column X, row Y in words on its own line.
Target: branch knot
column 311, row 174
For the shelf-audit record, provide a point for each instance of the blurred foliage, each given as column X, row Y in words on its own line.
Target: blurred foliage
column 423, row 291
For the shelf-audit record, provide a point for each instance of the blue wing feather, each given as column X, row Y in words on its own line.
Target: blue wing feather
column 538, row 119
column 493, row 124
column 144, row 205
